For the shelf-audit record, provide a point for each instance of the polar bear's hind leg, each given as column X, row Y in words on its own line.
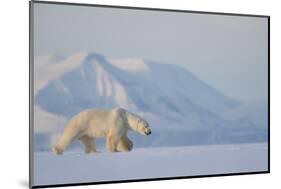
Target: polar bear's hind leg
column 67, row 137
column 59, row 147
column 89, row 144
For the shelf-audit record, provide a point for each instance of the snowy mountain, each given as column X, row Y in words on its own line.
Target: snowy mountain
column 255, row 112
column 175, row 102
column 92, row 81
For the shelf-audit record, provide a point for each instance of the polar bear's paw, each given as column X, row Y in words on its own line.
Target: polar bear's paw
column 125, row 145
column 89, row 151
column 130, row 145
column 57, row 150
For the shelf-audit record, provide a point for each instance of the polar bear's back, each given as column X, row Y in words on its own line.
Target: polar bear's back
column 96, row 122
column 101, row 115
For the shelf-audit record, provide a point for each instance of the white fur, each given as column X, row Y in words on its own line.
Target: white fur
column 94, row 123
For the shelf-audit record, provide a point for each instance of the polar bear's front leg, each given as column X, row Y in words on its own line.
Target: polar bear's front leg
column 125, row 144
column 89, row 144
column 111, row 143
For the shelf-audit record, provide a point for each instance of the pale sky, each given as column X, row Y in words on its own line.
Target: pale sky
column 227, row 52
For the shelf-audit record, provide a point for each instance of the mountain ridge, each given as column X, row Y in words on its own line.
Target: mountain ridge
column 134, row 91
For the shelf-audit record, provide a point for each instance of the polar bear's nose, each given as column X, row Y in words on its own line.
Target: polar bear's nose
column 148, row 132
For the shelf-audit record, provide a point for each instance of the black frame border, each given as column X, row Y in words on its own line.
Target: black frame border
column 31, row 94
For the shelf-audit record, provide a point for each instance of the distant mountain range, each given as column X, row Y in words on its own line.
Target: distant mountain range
column 180, row 107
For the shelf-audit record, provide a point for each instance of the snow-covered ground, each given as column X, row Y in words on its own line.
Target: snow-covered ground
column 143, row 163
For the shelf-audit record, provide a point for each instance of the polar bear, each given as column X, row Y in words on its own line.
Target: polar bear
column 112, row 124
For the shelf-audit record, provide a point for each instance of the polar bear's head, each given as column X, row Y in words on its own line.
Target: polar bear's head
column 142, row 127
column 137, row 124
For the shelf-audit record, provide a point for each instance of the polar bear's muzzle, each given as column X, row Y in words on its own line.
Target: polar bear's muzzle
column 148, row 132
